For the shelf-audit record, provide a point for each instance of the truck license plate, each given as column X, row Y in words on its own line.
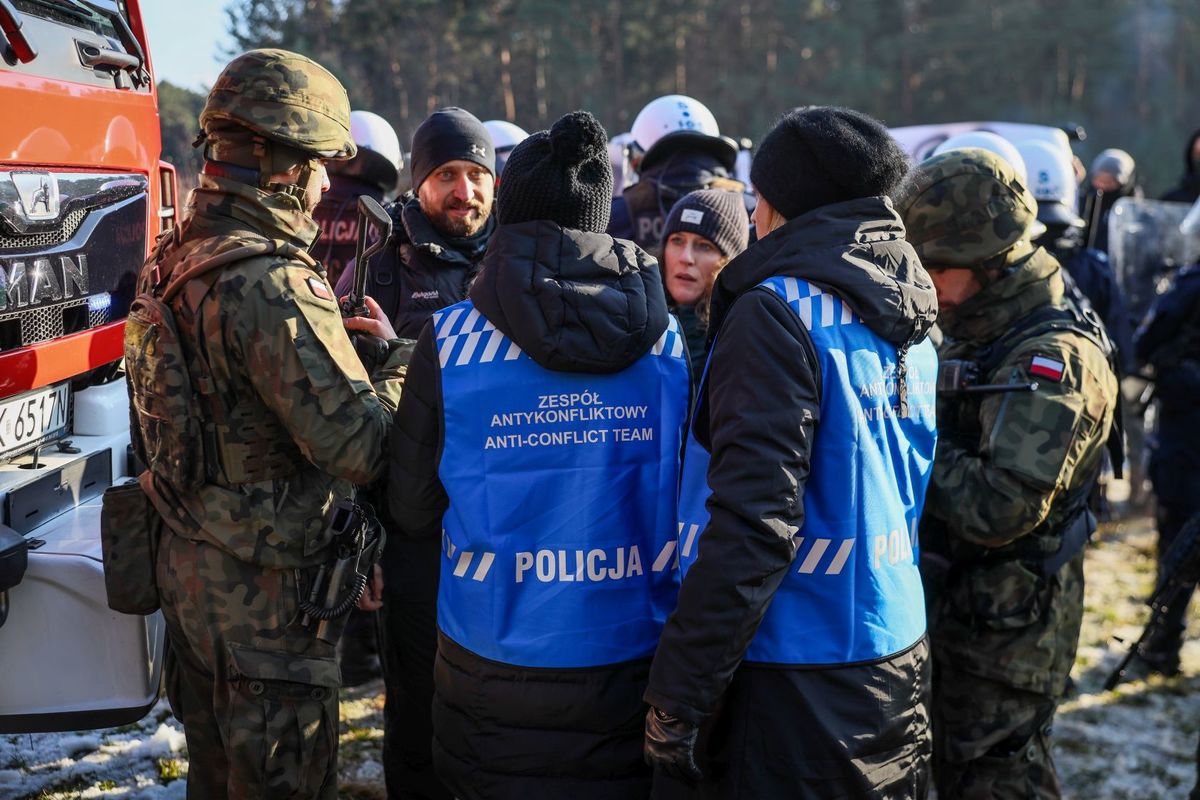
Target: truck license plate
column 32, row 418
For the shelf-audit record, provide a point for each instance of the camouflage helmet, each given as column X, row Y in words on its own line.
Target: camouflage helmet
column 964, row 207
column 285, row 97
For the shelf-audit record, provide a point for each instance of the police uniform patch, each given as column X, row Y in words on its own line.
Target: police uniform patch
column 1047, row 368
column 319, row 288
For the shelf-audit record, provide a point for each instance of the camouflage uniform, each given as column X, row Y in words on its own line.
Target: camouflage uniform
column 1011, row 475
column 291, row 422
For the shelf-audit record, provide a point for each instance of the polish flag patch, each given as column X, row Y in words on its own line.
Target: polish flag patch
column 1047, row 368
column 318, row 287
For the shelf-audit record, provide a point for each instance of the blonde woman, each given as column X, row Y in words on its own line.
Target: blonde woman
column 704, row 231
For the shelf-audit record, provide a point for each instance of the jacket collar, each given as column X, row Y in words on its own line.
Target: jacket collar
column 855, row 249
column 1032, row 279
column 223, row 206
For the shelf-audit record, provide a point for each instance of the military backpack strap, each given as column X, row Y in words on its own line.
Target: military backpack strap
column 260, row 248
column 253, row 458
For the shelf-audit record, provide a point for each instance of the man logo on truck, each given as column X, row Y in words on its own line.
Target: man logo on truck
column 37, row 190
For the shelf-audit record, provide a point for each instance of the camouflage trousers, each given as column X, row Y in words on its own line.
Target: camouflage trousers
column 256, row 692
column 990, row 741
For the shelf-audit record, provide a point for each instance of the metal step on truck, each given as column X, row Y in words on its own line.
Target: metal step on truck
column 83, row 194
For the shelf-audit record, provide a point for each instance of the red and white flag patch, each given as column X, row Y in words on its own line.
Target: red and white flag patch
column 318, row 287
column 1047, row 368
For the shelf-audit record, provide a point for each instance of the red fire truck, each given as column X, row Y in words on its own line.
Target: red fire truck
column 83, row 194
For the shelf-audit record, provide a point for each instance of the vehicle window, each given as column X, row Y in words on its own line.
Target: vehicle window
column 68, row 12
column 85, row 41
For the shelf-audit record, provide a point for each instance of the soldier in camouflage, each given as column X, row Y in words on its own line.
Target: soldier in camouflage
column 1005, row 518
column 290, row 421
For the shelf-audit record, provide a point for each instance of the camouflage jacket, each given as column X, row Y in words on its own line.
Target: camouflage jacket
column 1009, row 473
column 273, row 339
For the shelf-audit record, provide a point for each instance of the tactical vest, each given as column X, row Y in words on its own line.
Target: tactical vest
column 190, row 430
column 558, row 543
column 853, row 593
column 1070, row 524
column 649, row 202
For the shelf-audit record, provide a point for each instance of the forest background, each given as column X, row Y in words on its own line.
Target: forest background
column 1127, row 71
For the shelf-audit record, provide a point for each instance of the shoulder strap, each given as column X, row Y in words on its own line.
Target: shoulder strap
column 1074, row 317
column 260, row 248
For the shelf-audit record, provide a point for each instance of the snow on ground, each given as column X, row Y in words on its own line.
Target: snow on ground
column 1138, row 741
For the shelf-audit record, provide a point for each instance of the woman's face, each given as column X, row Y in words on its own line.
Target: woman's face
column 692, row 263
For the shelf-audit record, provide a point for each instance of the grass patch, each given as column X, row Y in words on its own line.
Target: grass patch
column 354, row 733
column 170, row 769
column 68, row 787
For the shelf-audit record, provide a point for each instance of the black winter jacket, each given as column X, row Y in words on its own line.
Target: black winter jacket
column 1169, row 341
column 640, row 213
column 757, row 413
column 419, row 271
column 578, row 302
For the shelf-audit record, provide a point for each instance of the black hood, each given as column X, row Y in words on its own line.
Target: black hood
column 574, row 301
column 854, row 249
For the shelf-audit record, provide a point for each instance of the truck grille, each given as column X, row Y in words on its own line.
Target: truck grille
column 56, row 236
column 50, row 322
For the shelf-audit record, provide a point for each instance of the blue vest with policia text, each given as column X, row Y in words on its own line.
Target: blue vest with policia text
column 558, row 546
column 853, row 593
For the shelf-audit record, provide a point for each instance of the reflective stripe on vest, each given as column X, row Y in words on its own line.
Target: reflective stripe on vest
column 559, row 541
column 853, row 593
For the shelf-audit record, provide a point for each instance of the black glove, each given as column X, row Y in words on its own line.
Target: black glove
column 372, row 351
column 671, row 745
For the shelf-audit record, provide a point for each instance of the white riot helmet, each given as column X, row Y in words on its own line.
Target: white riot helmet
column 379, row 158
column 995, row 143
column 505, row 136
column 618, row 155
column 676, row 119
column 988, row 141
column 1051, row 178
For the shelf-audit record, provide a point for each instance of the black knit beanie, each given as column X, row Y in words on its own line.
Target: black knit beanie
column 820, row 155
column 449, row 134
column 716, row 214
column 563, row 175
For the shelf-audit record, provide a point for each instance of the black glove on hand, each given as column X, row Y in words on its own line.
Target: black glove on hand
column 671, row 745
column 372, row 351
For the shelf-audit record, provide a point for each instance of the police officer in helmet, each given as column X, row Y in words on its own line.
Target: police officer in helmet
column 373, row 172
column 289, row 422
column 678, row 148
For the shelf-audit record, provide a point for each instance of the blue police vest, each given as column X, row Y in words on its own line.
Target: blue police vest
column 559, row 540
column 853, row 594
